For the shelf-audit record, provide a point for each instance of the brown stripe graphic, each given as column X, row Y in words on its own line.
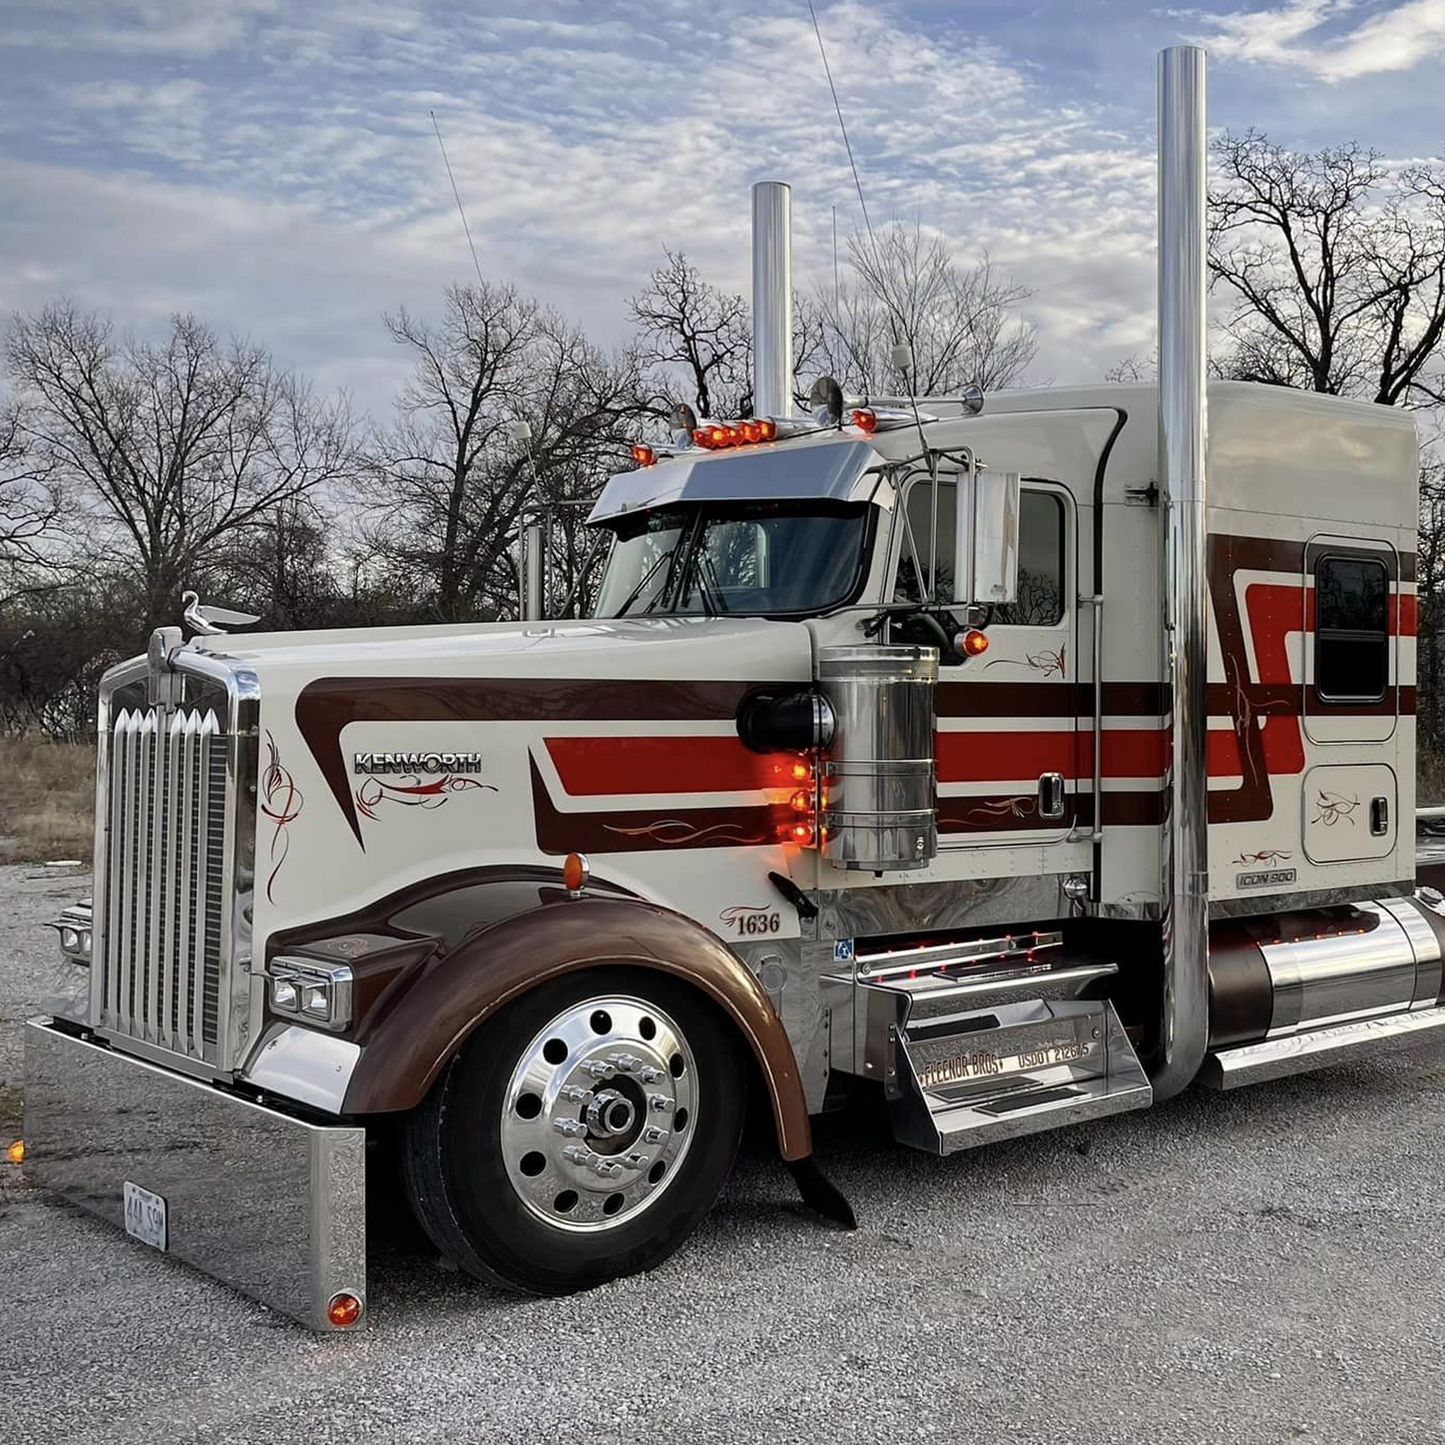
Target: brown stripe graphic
column 326, row 706
column 660, row 828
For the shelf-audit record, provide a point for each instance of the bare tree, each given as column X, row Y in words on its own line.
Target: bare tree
column 959, row 321
column 1336, row 263
column 31, row 512
column 449, row 479
column 173, row 447
column 694, row 338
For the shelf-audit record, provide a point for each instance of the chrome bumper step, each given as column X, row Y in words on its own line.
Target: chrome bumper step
column 1318, row 1048
column 973, row 1050
column 1022, row 1068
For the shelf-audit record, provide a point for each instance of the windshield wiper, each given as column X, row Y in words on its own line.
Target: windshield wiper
column 642, row 583
column 708, row 586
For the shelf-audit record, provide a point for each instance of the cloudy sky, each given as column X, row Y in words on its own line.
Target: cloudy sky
column 271, row 164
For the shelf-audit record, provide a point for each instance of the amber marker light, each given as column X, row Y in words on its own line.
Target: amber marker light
column 575, row 873
column 866, row 421
column 343, row 1310
column 973, row 642
column 643, row 455
column 16, row 1152
column 801, row 771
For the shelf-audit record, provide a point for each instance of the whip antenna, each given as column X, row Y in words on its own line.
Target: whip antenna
column 461, row 210
column 847, row 144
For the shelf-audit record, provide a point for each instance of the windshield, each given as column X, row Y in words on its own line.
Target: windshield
column 742, row 558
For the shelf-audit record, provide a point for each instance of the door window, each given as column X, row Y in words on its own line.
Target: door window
column 1041, row 555
column 1041, row 565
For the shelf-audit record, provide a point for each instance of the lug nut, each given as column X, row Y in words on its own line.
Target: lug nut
column 578, row 1154
column 659, row 1102
column 653, row 1135
column 598, row 1069
column 607, row 1170
column 650, row 1075
column 625, row 1062
column 572, row 1128
column 574, row 1094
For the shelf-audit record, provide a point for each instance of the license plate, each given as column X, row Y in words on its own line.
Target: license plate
column 145, row 1215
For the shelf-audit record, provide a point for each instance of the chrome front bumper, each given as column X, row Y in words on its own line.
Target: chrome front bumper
column 273, row 1206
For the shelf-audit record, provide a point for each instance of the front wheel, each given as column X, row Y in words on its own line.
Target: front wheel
column 580, row 1135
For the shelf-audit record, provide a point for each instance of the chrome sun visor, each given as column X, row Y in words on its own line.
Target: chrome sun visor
column 825, row 471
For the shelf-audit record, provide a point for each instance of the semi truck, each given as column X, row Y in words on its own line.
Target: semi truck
column 1021, row 760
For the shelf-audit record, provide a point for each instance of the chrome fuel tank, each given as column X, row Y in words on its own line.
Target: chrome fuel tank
column 1280, row 975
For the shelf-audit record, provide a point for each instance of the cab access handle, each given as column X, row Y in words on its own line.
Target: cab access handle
column 1051, row 795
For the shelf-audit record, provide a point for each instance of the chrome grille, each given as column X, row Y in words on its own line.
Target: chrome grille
column 167, row 877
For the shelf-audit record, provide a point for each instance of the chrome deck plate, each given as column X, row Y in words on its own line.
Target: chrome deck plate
column 1298, row 1053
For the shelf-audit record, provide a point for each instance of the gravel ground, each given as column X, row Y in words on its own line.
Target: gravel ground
column 1264, row 1266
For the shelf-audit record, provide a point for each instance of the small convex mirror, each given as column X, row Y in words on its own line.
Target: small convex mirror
column 995, row 537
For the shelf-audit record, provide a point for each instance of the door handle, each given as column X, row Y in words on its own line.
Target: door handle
column 1051, row 795
column 1379, row 817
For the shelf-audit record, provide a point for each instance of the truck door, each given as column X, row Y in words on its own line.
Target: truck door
column 1351, row 699
column 1008, row 745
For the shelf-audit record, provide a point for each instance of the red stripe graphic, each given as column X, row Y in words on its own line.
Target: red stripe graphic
column 617, row 765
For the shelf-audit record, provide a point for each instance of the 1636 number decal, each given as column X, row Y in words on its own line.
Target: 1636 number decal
column 747, row 922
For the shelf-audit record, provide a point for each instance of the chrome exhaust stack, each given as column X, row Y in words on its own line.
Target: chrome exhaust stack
column 772, row 299
column 1183, row 432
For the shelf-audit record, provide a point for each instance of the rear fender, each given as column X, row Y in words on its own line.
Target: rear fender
column 460, row 990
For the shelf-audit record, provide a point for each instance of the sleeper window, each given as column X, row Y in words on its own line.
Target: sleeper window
column 1352, row 629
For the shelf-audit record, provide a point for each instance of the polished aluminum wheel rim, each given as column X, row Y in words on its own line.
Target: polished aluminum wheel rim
column 599, row 1113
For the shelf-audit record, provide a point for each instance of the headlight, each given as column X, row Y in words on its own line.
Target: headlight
column 72, row 929
column 313, row 993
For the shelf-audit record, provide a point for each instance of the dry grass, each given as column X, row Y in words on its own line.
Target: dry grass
column 47, row 800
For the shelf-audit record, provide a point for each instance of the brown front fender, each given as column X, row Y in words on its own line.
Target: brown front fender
column 402, row 1057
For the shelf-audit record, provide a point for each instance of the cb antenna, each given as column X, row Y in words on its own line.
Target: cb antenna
column 847, row 144
column 461, row 210
column 857, row 185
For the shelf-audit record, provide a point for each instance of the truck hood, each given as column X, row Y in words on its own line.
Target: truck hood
column 685, row 648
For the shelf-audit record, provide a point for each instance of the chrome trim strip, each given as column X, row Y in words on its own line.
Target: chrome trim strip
column 1276, row 1058
column 1251, row 906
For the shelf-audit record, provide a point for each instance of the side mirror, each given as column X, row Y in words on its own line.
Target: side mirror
column 995, row 537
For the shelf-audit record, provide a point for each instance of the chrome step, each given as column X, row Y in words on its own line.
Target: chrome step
column 955, row 1083
column 868, row 1003
column 983, row 1040
column 1318, row 1048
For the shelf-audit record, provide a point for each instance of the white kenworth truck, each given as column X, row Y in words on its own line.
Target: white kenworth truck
column 1027, row 757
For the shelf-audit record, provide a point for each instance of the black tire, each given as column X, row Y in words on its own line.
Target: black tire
column 461, row 1190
